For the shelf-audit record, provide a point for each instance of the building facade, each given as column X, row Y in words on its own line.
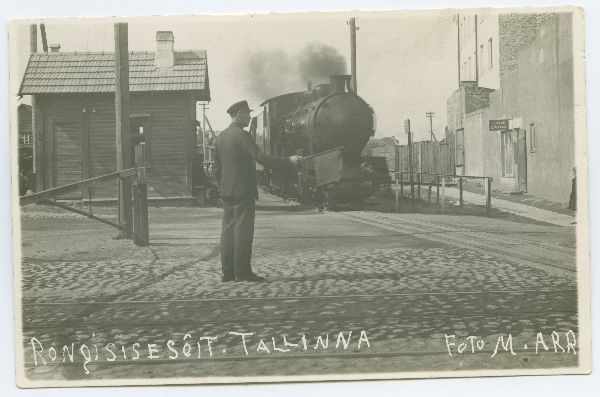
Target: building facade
column 526, row 82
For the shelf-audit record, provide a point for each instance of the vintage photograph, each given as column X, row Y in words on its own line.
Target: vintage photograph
column 300, row 197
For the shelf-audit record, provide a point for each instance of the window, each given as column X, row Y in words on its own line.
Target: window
column 507, row 154
column 24, row 139
column 481, row 68
column 532, row 138
column 490, row 53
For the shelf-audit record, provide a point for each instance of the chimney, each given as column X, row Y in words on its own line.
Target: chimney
column 165, row 56
column 54, row 47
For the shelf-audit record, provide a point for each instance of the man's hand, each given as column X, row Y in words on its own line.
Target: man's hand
column 295, row 160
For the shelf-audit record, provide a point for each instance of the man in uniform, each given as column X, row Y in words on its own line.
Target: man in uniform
column 236, row 155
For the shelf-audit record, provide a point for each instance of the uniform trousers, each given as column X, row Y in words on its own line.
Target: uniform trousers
column 237, row 235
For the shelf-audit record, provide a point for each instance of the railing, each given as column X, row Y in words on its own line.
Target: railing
column 439, row 181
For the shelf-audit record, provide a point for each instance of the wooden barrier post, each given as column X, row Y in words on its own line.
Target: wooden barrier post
column 141, row 232
column 460, row 187
column 443, row 194
column 488, row 198
column 400, row 174
column 419, row 186
column 437, row 189
column 397, row 202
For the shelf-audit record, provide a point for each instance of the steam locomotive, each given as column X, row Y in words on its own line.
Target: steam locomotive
column 324, row 118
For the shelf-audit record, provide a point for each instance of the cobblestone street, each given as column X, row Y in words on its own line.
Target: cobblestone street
column 398, row 282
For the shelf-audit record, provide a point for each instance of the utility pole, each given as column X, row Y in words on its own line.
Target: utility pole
column 123, row 141
column 44, row 41
column 429, row 115
column 410, row 162
column 32, row 38
column 458, row 42
column 36, row 133
column 353, row 30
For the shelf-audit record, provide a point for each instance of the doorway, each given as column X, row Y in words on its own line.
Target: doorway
column 513, row 161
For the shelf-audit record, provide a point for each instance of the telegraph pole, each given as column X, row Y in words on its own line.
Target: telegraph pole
column 36, row 133
column 410, row 162
column 44, row 40
column 353, row 30
column 429, row 115
column 123, row 141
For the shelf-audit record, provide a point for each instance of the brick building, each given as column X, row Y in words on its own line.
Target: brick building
column 527, row 79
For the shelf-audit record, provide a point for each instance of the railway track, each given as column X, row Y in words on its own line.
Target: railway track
column 548, row 257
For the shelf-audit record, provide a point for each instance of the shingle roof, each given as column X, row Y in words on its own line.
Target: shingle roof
column 59, row 73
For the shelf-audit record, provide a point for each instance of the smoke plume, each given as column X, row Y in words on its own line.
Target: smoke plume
column 268, row 74
column 317, row 62
column 271, row 73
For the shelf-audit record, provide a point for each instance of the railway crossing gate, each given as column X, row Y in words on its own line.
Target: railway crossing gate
column 137, row 229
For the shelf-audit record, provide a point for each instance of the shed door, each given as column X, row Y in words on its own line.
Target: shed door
column 68, row 162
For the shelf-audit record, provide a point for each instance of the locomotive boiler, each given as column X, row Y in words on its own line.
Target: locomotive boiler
column 322, row 119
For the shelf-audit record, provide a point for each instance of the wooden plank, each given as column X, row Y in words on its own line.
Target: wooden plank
column 190, row 145
column 102, row 143
column 49, row 153
column 68, row 154
column 57, row 191
column 38, row 144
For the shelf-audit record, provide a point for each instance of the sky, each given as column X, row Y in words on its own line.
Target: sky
column 406, row 61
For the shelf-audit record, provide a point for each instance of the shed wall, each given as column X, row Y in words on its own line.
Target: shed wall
column 93, row 117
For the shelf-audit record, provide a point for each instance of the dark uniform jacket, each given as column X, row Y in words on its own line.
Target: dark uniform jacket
column 236, row 155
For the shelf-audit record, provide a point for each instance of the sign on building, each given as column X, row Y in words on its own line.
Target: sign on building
column 499, row 125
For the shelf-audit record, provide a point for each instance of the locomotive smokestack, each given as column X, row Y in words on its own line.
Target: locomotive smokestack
column 338, row 82
column 308, row 85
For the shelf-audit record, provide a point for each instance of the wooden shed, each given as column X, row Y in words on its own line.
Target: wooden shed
column 73, row 99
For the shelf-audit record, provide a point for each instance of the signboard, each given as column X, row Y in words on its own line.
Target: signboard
column 499, row 125
column 407, row 126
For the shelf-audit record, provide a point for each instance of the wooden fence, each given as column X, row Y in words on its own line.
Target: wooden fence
column 428, row 157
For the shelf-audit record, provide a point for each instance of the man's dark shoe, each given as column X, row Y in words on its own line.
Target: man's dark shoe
column 251, row 277
column 226, row 279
